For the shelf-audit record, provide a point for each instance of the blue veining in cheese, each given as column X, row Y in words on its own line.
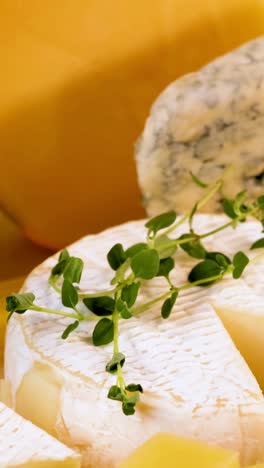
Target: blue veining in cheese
column 203, row 122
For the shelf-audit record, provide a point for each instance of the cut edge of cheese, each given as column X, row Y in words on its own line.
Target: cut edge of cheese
column 24, row 445
column 6, row 393
column 69, row 463
column 168, row 450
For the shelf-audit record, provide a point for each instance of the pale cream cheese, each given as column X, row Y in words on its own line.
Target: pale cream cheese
column 25, row 445
column 195, row 381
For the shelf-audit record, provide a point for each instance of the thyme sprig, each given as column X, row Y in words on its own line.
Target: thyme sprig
column 137, row 264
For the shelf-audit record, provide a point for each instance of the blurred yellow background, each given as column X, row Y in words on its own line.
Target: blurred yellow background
column 77, row 81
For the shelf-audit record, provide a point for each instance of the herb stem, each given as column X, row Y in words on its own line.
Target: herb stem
column 176, row 225
column 214, row 188
column 214, row 231
column 62, row 313
column 143, row 307
column 54, row 286
column 256, row 259
column 130, row 278
column 210, row 194
column 115, row 318
column 201, row 281
column 170, row 283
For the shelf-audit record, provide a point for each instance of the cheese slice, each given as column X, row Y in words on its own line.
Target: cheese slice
column 204, row 122
column 23, row 445
column 196, row 383
column 170, row 451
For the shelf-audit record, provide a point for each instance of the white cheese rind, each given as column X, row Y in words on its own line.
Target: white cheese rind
column 204, row 122
column 196, row 383
column 22, row 443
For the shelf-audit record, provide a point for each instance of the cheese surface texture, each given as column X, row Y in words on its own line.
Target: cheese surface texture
column 170, row 451
column 196, row 383
column 204, row 122
column 23, row 445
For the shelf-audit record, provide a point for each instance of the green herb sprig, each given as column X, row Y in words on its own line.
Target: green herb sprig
column 139, row 263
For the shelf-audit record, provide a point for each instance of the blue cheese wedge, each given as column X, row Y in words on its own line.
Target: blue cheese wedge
column 196, row 383
column 203, row 122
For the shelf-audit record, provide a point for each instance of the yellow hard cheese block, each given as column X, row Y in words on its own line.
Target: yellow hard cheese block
column 18, row 255
column 76, row 85
column 261, row 465
column 170, row 451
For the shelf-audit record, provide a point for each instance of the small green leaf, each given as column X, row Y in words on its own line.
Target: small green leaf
column 239, row 201
column 115, row 393
column 166, row 265
column 145, row 264
column 168, row 305
column 194, row 248
column 259, row 244
column 219, row 258
column 228, row 207
column 260, row 202
column 100, row 306
column 58, row 269
column 123, row 309
column 19, row 302
column 165, row 246
column 198, row 182
column 128, row 408
column 103, row 332
column 70, row 329
column 240, row 261
column 203, row 270
column 64, row 255
column 129, row 293
column 117, row 359
column 60, row 266
column 116, row 256
column 239, row 206
column 129, row 403
column 134, row 249
column 160, row 222
column 134, row 388
column 69, row 294
column 73, row 270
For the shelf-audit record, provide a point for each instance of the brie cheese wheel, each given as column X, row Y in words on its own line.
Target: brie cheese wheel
column 204, row 122
column 23, row 445
column 196, row 383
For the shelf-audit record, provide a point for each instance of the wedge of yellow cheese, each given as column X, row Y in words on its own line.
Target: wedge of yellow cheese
column 76, row 85
column 18, row 255
column 170, row 451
